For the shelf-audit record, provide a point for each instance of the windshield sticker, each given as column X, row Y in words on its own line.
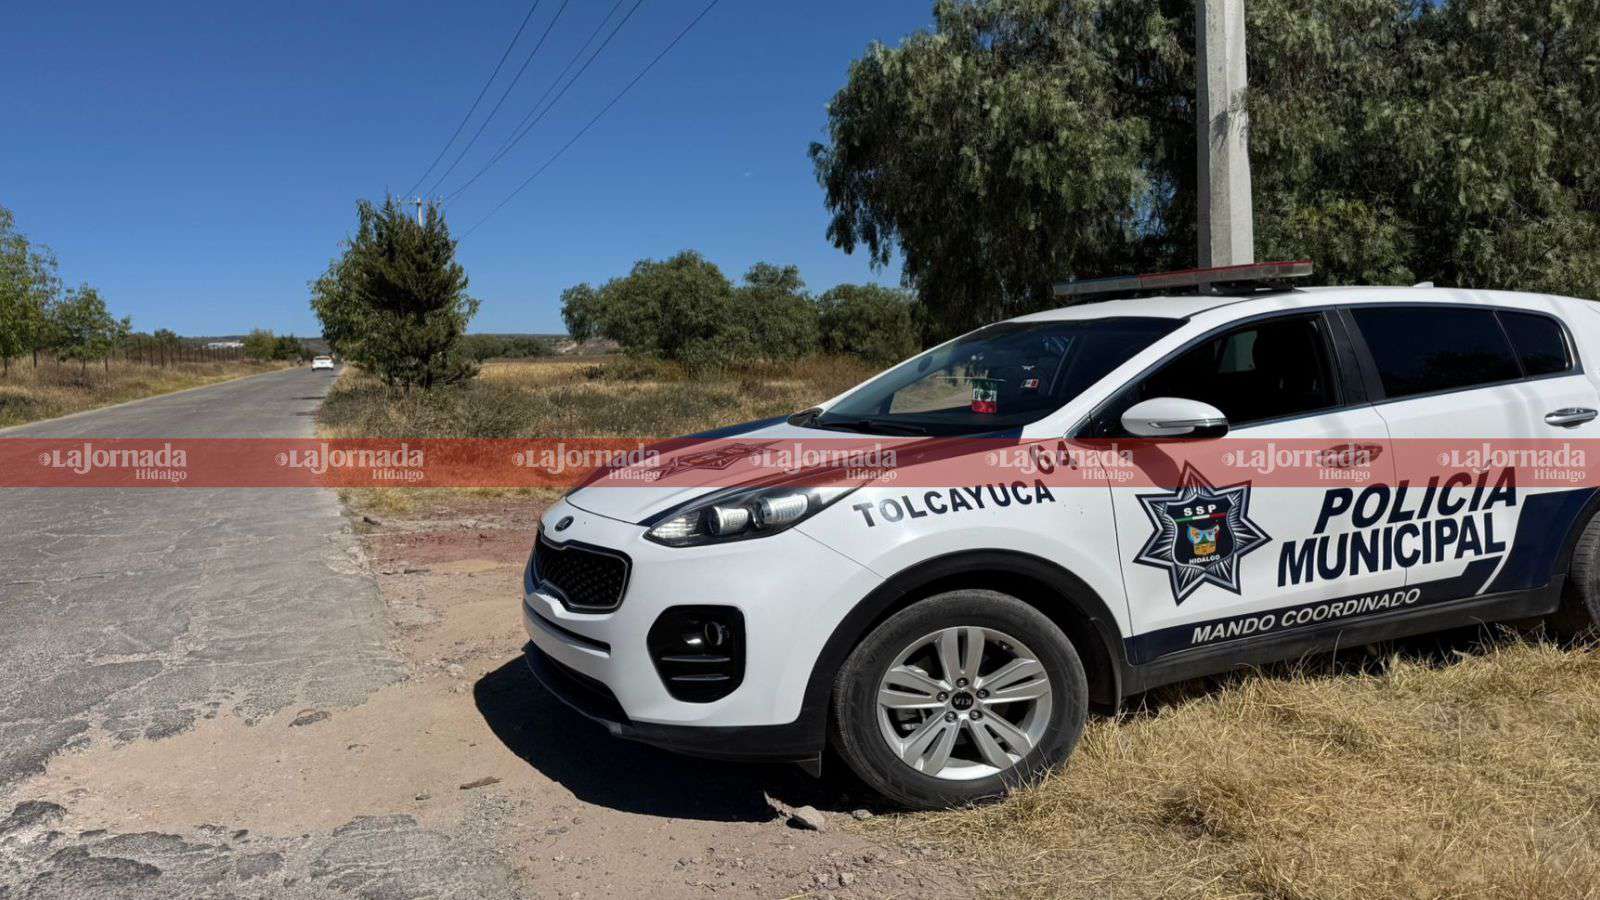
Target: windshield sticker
column 1201, row 533
column 985, row 396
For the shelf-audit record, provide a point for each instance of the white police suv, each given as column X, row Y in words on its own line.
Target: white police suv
column 1245, row 474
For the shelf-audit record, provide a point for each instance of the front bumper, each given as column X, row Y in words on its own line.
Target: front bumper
column 791, row 590
column 798, row 740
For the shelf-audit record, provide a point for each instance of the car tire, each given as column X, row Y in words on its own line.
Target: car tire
column 1032, row 719
column 1579, row 615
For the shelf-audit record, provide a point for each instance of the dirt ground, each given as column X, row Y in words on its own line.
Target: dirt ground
column 469, row 743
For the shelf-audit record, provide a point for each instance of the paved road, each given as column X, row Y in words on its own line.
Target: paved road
column 130, row 614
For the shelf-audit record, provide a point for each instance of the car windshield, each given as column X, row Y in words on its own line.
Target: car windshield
column 1000, row 377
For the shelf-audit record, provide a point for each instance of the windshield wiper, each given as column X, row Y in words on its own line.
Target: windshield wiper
column 870, row 426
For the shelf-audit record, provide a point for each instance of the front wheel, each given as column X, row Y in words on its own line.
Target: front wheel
column 957, row 699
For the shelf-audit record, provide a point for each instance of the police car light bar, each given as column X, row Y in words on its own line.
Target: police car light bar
column 1251, row 276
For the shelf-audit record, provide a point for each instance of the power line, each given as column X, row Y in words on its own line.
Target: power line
column 506, row 93
column 479, row 99
column 597, row 116
column 524, row 126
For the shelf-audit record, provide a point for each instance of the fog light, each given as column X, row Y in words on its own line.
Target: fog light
column 698, row 651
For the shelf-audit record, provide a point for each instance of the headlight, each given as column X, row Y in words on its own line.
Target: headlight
column 740, row 514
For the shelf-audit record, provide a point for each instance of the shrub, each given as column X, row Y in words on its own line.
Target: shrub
column 482, row 347
column 872, row 322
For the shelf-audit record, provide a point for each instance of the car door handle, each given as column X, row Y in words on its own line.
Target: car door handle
column 1349, row 456
column 1568, row 416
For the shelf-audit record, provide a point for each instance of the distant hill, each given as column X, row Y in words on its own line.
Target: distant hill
column 314, row 344
column 558, row 342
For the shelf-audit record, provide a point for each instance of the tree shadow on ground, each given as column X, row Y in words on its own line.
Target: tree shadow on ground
column 623, row 775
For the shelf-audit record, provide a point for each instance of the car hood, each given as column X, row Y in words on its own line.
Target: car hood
column 748, row 454
column 691, row 467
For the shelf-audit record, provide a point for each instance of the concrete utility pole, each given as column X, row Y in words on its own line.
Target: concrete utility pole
column 1227, row 232
column 420, row 202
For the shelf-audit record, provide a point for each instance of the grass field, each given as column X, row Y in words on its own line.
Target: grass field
column 606, row 397
column 1472, row 772
column 1453, row 769
column 28, row 394
column 554, row 397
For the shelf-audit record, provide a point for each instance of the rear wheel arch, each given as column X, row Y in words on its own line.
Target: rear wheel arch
column 1062, row 596
column 1569, row 545
column 1578, row 614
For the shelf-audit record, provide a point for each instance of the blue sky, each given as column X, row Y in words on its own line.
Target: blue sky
column 199, row 161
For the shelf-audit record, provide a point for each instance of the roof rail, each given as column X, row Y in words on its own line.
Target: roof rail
column 1221, row 279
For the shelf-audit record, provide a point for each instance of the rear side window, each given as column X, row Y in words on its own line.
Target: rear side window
column 1423, row 349
column 1539, row 343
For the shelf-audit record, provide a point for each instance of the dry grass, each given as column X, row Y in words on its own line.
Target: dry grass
column 555, row 397
column 614, row 397
column 28, row 394
column 419, row 503
column 1475, row 776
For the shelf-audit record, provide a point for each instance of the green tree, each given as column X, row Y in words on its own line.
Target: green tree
column 260, row 345
column 340, row 310
column 685, row 309
column 580, row 310
column 679, row 309
column 29, row 288
column 870, row 321
column 1017, row 142
column 396, row 301
column 85, row 329
column 121, row 336
column 167, row 345
column 773, row 307
column 994, row 152
column 13, row 289
column 289, row 347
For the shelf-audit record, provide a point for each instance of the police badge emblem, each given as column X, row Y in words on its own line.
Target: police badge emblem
column 1201, row 533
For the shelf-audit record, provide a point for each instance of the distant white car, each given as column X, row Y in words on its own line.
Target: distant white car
column 322, row 362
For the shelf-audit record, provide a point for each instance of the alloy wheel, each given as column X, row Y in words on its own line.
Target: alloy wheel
column 964, row 702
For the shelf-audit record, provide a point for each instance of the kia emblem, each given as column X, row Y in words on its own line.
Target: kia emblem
column 562, row 525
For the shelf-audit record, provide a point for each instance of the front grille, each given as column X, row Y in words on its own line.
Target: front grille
column 583, row 578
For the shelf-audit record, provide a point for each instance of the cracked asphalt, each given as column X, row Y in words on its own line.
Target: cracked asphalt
column 133, row 614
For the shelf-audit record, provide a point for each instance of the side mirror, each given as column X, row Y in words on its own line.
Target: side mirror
column 1174, row 417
